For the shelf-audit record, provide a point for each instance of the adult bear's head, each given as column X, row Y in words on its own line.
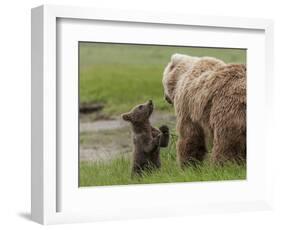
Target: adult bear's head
column 175, row 69
column 182, row 66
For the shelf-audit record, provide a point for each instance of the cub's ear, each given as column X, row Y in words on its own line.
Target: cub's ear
column 126, row 116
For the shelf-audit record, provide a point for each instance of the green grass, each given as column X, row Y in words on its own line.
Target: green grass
column 118, row 171
column 121, row 76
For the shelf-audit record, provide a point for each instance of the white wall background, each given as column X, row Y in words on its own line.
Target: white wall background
column 15, row 112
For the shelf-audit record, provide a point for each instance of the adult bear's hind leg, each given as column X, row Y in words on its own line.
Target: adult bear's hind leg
column 229, row 145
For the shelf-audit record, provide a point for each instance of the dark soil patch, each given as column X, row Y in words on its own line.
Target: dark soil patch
column 86, row 108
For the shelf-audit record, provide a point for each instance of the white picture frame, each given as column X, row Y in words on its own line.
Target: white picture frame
column 56, row 201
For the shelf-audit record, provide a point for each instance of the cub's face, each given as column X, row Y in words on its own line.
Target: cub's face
column 139, row 113
column 178, row 65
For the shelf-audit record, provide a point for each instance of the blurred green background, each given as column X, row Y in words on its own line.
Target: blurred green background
column 121, row 75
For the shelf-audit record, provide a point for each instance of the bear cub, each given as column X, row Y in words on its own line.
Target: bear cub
column 147, row 140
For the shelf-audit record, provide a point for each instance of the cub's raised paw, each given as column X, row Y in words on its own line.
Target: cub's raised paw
column 164, row 129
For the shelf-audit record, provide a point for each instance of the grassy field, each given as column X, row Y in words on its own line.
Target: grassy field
column 118, row 172
column 121, row 76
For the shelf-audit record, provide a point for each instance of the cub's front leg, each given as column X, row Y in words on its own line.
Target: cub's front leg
column 155, row 132
column 165, row 135
column 152, row 145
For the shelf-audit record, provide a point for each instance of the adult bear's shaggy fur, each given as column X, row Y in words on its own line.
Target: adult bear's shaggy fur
column 209, row 97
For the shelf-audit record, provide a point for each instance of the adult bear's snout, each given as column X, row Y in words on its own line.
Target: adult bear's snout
column 168, row 99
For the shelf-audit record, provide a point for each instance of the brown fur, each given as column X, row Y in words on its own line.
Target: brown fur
column 147, row 139
column 209, row 97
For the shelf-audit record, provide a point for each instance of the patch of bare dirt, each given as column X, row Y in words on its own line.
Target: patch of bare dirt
column 106, row 139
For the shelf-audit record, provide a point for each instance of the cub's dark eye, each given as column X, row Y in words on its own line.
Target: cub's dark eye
column 140, row 107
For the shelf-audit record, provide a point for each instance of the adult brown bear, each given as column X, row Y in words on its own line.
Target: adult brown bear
column 209, row 97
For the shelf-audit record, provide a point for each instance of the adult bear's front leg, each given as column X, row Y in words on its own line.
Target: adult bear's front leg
column 191, row 147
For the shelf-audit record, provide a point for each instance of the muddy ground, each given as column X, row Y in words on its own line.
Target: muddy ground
column 105, row 139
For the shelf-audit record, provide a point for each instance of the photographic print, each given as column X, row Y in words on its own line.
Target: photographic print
column 161, row 114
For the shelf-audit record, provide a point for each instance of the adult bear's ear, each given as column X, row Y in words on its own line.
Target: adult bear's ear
column 126, row 116
column 176, row 58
